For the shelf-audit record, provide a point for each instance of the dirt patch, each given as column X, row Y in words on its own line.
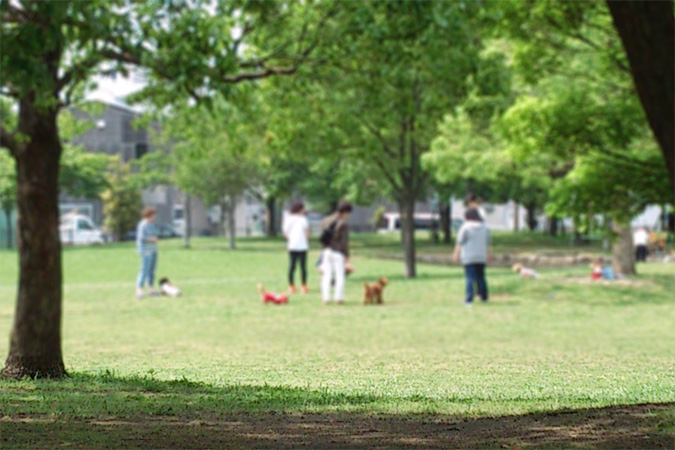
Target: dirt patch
column 637, row 427
column 537, row 260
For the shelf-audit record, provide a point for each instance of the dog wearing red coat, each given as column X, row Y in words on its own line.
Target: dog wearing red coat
column 269, row 297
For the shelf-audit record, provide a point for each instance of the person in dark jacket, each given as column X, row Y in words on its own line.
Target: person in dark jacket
column 335, row 255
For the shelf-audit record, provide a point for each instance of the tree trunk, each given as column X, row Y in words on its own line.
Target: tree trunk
column 35, row 346
column 187, row 232
column 445, row 210
column 647, row 30
column 553, row 226
column 623, row 258
column 516, row 216
column 222, row 230
column 232, row 222
column 407, row 212
column 271, row 204
column 531, row 216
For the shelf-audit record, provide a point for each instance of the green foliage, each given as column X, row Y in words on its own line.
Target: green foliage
column 84, row 174
column 122, row 202
column 598, row 184
column 216, row 151
column 577, row 130
column 7, row 182
column 373, row 105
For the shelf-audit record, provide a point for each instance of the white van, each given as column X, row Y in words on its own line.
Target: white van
column 422, row 221
column 78, row 229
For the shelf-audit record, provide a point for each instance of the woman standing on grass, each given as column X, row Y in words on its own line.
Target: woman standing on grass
column 146, row 244
column 335, row 254
column 296, row 230
column 474, row 250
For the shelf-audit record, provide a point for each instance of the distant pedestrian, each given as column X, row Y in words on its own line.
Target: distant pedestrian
column 474, row 251
column 296, row 230
column 335, row 254
column 146, row 244
column 472, row 202
column 640, row 241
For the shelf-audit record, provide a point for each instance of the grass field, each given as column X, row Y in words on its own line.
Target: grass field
column 536, row 367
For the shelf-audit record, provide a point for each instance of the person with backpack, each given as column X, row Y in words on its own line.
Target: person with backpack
column 335, row 254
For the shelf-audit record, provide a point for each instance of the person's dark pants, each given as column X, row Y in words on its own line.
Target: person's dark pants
column 302, row 258
column 475, row 274
column 641, row 253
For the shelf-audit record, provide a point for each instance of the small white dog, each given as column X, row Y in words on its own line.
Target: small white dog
column 166, row 288
column 525, row 272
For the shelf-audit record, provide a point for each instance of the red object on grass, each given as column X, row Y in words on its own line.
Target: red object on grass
column 268, row 297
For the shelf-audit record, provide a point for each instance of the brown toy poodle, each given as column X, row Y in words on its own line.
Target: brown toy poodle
column 373, row 291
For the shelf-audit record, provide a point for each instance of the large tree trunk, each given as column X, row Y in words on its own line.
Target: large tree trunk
column 623, row 258
column 647, row 30
column 516, row 216
column 35, row 347
column 406, row 209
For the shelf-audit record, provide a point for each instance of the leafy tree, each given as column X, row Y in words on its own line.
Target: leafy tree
column 122, row 202
column 49, row 52
column 581, row 108
column 389, row 76
column 216, row 157
column 7, row 192
column 597, row 186
column 81, row 174
column 303, row 150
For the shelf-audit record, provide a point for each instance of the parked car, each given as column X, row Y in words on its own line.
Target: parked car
column 421, row 221
column 78, row 229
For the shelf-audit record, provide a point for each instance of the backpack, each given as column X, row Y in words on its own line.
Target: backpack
column 327, row 233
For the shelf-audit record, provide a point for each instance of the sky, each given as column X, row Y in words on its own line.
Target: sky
column 111, row 90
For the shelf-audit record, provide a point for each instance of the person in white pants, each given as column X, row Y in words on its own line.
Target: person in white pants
column 335, row 255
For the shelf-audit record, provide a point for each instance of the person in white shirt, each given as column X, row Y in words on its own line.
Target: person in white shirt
column 296, row 230
column 641, row 240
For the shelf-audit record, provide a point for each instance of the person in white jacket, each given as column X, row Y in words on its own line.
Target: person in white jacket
column 296, row 231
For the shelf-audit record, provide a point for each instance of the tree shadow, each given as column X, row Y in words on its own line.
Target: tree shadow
column 105, row 411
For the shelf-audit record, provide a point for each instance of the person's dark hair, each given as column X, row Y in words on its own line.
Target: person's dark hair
column 344, row 207
column 472, row 214
column 296, row 207
column 470, row 198
column 148, row 212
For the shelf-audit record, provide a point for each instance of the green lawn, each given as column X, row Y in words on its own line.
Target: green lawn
column 558, row 343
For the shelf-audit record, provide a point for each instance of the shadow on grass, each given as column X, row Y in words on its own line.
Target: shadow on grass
column 105, row 411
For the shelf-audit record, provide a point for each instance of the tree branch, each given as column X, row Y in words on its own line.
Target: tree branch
column 13, row 15
column 379, row 137
column 387, row 174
